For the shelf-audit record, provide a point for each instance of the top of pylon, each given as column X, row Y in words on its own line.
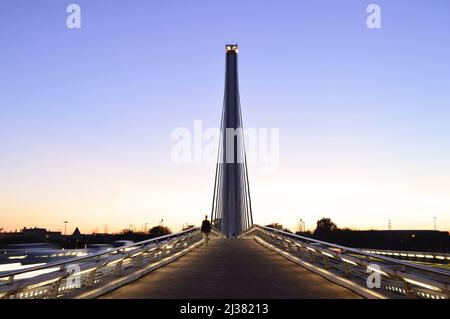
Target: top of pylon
column 232, row 48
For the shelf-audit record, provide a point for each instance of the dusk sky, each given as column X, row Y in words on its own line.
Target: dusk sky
column 86, row 115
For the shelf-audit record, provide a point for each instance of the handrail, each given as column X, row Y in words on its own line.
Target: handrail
column 90, row 256
column 408, row 253
column 360, row 252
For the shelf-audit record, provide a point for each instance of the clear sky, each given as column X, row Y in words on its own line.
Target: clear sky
column 86, row 115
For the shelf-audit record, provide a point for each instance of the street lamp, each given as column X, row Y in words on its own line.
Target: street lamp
column 65, row 227
column 302, row 225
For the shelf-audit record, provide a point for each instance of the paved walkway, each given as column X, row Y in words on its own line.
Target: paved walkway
column 232, row 268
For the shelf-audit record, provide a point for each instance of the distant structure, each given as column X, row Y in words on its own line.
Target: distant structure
column 35, row 234
column 65, row 227
column 231, row 209
column 76, row 233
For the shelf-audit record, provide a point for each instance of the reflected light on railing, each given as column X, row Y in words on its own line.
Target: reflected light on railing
column 349, row 261
column 327, row 254
column 421, row 284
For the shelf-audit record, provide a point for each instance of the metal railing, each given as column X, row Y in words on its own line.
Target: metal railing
column 75, row 276
column 423, row 257
column 397, row 278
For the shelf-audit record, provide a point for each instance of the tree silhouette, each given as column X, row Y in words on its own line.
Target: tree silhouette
column 159, row 231
column 324, row 226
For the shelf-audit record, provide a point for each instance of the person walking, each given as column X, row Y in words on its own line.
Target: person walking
column 206, row 229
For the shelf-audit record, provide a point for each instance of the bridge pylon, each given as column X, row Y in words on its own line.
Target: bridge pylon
column 231, row 211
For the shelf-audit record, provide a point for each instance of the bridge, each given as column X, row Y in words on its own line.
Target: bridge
column 243, row 260
column 261, row 263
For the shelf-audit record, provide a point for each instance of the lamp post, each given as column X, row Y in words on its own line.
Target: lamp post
column 302, row 225
column 65, row 227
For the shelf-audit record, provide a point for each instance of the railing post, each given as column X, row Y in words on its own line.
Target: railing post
column 409, row 292
column 280, row 242
column 158, row 252
column 53, row 291
column 118, row 270
column 347, row 269
column 326, row 262
column 311, row 255
column 299, row 250
column 138, row 260
column 91, row 278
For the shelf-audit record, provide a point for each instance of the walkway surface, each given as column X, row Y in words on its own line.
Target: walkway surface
column 231, row 269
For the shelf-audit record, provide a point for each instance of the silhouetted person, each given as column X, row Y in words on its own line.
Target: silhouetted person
column 206, row 229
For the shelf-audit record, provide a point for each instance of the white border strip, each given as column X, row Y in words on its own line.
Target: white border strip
column 364, row 292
